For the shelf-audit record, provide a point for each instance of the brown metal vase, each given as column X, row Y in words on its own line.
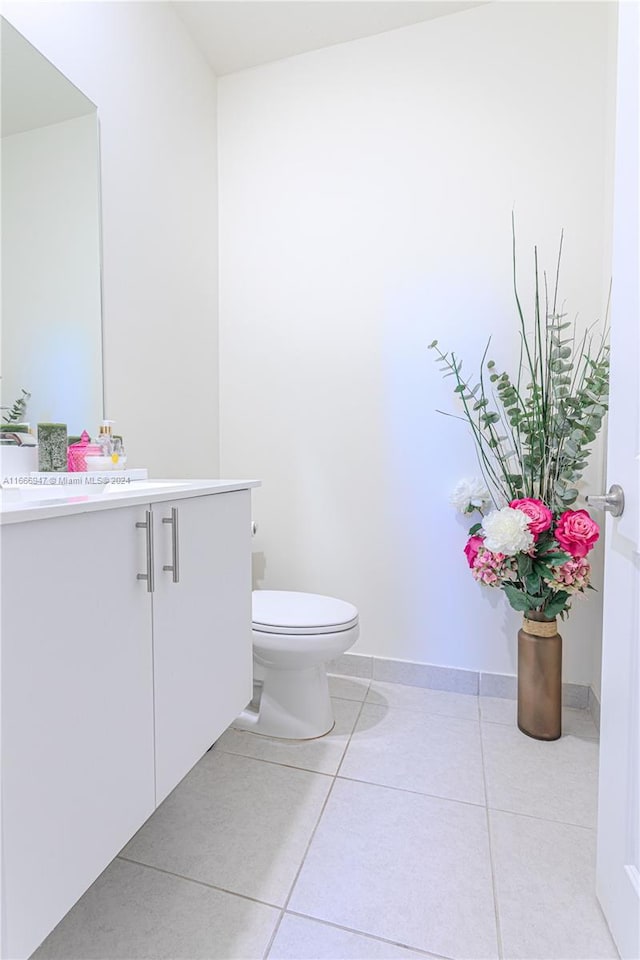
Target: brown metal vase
column 539, row 677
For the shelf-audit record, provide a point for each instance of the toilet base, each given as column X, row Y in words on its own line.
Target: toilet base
column 292, row 705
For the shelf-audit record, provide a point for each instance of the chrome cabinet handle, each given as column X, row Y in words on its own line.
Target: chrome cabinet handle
column 613, row 501
column 148, row 526
column 174, row 566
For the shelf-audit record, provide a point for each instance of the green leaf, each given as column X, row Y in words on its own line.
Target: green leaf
column 557, row 604
column 434, row 343
column 525, row 565
column 535, row 601
column 532, row 583
column 517, row 599
column 544, row 541
column 555, row 557
column 474, row 529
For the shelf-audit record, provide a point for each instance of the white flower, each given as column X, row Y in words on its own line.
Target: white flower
column 507, row 531
column 470, row 495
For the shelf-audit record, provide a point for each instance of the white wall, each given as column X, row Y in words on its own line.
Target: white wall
column 51, row 339
column 156, row 101
column 366, row 192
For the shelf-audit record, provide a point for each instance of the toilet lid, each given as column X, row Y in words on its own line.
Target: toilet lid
column 285, row 611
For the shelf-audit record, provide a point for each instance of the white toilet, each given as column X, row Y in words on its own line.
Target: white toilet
column 295, row 635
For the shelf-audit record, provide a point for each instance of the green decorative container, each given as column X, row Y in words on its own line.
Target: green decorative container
column 14, row 428
column 52, row 447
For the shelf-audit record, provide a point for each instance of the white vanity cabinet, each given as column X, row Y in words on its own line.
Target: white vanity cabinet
column 77, row 712
column 202, row 657
column 111, row 690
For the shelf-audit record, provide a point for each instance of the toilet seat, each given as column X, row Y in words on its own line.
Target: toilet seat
column 290, row 613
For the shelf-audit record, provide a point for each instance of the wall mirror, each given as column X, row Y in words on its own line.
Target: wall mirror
column 51, row 338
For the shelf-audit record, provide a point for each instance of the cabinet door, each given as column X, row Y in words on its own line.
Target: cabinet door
column 77, row 711
column 201, row 628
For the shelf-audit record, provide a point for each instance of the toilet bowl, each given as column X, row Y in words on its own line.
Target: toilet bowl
column 295, row 635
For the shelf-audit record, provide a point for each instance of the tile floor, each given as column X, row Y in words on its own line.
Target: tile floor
column 424, row 825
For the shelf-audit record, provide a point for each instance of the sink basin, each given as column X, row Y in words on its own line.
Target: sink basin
column 36, row 492
column 140, row 486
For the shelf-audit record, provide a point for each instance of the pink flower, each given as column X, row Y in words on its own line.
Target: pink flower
column 571, row 576
column 540, row 516
column 471, row 549
column 576, row 532
column 489, row 568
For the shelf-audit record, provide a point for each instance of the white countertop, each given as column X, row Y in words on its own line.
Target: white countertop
column 35, row 502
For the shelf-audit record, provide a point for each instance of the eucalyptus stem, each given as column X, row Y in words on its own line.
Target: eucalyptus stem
column 533, row 437
column 489, row 468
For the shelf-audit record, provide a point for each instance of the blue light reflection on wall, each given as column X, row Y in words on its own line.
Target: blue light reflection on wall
column 428, row 453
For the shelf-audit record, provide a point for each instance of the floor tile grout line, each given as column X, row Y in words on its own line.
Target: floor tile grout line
column 365, row 680
column 371, row 936
column 532, row 816
column 310, row 841
column 275, row 763
column 419, row 793
column 335, row 696
column 423, row 713
column 492, row 867
column 353, row 730
column 371, row 783
column 200, row 883
column 283, row 909
column 406, row 686
column 422, row 710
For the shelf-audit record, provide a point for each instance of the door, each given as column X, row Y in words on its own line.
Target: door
column 77, row 711
column 201, row 626
column 618, row 864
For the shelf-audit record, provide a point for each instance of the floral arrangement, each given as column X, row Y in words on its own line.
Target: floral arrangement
column 533, row 435
column 538, row 559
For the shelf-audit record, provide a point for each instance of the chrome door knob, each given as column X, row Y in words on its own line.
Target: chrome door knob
column 613, row 501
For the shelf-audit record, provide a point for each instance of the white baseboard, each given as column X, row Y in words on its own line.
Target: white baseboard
column 453, row 679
